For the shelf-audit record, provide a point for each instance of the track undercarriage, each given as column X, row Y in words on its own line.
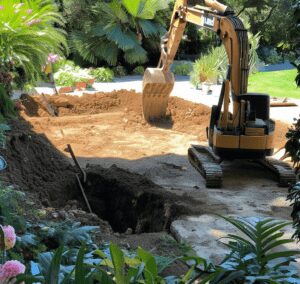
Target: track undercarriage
column 209, row 166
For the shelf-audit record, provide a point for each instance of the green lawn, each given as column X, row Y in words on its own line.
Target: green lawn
column 276, row 84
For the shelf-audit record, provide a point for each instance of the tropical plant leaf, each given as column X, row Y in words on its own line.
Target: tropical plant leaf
column 79, row 266
column 118, row 262
column 53, row 273
column 150, row 271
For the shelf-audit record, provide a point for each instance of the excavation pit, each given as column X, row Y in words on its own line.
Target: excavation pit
column 131, row 202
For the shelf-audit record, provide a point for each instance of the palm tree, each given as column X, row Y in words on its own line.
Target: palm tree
column 28, row 33
column 119, row 29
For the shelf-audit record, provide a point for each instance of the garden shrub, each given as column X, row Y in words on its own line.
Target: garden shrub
column 102, row 74
column 297, row 65
column 294, row 198
column 64, row 79
column 139, row 70
column 63, row 64
column 269, row 55
column 292, row 146
column 7, row 107
column 209, row 66
column 119, row 71
column 68, row 75
column 28, row 32
column 183, row 69
column 11, row 207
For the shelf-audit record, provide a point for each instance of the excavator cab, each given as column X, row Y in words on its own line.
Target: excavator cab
column 243, row 132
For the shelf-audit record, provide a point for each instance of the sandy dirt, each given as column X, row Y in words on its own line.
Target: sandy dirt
column 108, row 129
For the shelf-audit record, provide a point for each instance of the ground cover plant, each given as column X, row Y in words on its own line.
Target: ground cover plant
column 277, row 84
column 251, row 260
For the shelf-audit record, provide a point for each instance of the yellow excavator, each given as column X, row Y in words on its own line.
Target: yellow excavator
column 246, row 132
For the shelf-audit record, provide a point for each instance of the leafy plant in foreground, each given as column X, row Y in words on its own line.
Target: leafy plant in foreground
column 294, row 198
column 257, row 258
column 115, row 268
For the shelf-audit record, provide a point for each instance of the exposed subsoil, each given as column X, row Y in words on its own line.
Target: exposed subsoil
column 182, row 115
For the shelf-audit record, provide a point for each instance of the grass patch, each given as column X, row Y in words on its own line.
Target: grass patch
column 277, row 84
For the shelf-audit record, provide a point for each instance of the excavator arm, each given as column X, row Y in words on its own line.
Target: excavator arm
column 158, row 82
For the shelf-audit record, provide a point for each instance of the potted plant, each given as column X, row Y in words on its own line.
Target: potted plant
column 82, row 78
column 65, row 80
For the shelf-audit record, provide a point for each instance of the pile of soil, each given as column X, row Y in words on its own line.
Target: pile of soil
column 182, row 115
column 125, row 199
column 34, row 165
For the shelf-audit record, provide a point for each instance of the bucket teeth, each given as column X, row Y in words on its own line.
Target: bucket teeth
column 157, row 87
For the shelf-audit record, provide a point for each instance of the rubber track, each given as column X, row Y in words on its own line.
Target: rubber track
column 284, row 171
column 206, row 163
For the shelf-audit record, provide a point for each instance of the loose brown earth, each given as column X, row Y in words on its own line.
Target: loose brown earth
column 107, row 129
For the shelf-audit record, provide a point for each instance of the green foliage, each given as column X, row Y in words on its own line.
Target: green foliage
column 139, row 70
column 103, row 74
column 183, row 69
column 62, row 64
column 273, row 19
column 297, row 65
column 208, row 67
column 79, row 266
column 65, row 233
column 257, row 258
column 269, row 55
column 294, row 198
column 7, row 107
column 11, row 207
column 28, row 34
column 113, row 30
column 253, row 56
column 292, row 146
column 119, row 71
column 65, row 79
column 69, row 74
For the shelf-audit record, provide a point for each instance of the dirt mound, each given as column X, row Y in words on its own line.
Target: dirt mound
column 36, row 166
column 181, row 115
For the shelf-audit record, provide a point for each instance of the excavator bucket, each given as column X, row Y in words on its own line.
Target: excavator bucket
column 157, row 87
